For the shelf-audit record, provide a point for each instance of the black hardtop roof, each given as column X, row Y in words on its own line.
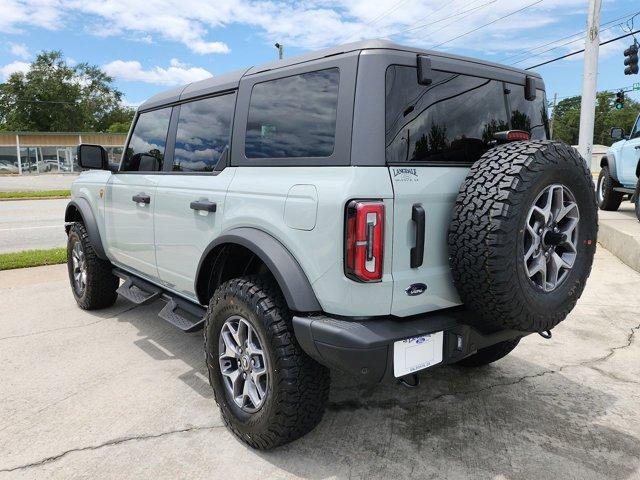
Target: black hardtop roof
column 231, row 80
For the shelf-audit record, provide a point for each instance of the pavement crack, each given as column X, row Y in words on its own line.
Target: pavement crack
column 390, row 403
column 109, row 443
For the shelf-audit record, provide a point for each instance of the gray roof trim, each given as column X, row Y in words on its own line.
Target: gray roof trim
column 229, row 81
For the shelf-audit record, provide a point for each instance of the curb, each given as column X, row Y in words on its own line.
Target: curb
column 623, row 244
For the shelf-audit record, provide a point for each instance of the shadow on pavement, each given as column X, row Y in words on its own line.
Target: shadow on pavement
column 459, row 423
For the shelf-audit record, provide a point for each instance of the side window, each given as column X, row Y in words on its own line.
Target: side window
column 294, row 116
column 204, row 129
column 145, row 152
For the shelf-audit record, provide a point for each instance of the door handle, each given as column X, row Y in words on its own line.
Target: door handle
column 204, row 205
column 417, row 252
column 637, row 147
column 141, row 198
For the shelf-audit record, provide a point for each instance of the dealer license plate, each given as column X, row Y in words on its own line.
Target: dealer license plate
column 417, row 353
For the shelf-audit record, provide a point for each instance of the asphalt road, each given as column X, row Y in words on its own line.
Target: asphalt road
column 32, row 224
column 119, row 393
column 32, row 182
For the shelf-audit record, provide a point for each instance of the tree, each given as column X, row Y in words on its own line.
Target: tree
column 566, row 118
column 54, row 96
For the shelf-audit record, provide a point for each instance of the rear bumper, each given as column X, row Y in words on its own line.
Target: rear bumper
column 365, row 347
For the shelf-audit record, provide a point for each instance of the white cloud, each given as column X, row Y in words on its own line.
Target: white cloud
column 176, row 74
column 19, row 50
column 13, row 67
column 306, row 24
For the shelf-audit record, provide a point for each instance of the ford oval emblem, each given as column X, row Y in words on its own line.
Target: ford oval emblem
column 415, row 289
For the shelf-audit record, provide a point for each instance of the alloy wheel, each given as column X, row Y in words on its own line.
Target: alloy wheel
column 551, row 237
column 243, row 364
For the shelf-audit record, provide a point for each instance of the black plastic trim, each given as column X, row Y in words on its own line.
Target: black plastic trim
column 610, row 161
column 365, row 348
column 417, row 252
column 292, row 280
column 89, row 220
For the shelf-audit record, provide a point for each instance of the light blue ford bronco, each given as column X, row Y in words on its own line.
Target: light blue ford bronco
column 372, row 208
column 620, row 170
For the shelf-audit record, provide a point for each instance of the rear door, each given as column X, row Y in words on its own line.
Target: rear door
column 190, row 198
column 433, row 135
column 130, row 195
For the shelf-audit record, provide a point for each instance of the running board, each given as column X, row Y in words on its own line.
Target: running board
column 630, row 191
column 180, row 313
column 138, row 291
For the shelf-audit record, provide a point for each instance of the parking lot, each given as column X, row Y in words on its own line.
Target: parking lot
column 120, row 393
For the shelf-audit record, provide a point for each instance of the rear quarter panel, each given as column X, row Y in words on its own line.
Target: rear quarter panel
column 258, row 197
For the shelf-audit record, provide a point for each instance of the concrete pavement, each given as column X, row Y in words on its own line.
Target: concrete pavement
column 119, row 393
column 32, row 224
column 15, row 183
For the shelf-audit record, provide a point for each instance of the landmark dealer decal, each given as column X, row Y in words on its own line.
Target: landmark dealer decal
column 404, row 174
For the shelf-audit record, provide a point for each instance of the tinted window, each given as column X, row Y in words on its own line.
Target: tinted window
column 530, row 116
column 204, row 128
column 451, row 120
column 145, row 152
column 293, row 116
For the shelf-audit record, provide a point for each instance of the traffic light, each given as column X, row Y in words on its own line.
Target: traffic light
column 631, row 60
column 619, row 103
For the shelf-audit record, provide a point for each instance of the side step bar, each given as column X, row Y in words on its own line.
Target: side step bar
column 181, row 313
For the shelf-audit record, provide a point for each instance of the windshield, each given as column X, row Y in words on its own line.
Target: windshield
column 453, row 119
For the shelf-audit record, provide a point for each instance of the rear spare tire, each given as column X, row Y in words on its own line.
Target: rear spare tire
column 523, row 235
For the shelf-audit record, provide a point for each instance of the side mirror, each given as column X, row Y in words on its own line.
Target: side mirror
column 93, row 157
column 617, row 133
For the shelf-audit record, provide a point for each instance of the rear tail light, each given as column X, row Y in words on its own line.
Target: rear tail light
column 511, row 136
column 364, row 240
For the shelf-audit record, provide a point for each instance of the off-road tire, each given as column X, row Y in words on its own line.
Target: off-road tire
column 101, row 285
column 608, row 199
column 298, row 386
column 486, row 235
column 490, row 354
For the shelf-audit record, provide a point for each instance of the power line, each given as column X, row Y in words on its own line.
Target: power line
column 387, row 12
column 489, row 23
column 418, row 27
column 580, row 33
column 582, row 50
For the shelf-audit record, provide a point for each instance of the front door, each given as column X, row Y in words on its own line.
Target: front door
column 131, row 195
column 629, row 157
column 190, row 198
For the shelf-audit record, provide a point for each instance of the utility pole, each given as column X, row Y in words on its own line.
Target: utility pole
column 589, row 81
column 553, row 115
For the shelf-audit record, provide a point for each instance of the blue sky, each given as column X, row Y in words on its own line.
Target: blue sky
column 152, row 45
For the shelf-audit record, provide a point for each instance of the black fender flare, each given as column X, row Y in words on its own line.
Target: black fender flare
column 293, row 282
column 610, row 161
column 83, row 208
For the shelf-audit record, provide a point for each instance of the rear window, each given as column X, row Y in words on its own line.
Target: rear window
column 453, row 119
column 294, row 116
column 204, row 128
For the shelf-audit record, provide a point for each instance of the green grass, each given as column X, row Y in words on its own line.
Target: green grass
column 35, row 194
column 32, row 258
